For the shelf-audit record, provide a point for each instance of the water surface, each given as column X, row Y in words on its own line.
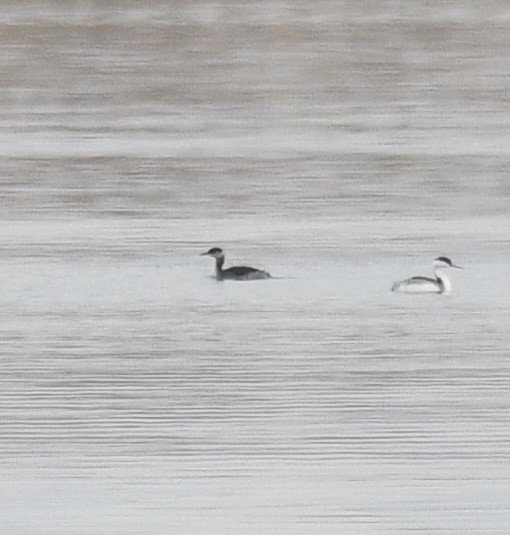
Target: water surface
column 339, row 147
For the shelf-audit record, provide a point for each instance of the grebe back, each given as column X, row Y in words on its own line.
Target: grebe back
column 239, row 273
column 440, row 284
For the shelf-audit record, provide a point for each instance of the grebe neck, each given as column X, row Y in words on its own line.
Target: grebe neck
column 443, row 280
column 220, row 260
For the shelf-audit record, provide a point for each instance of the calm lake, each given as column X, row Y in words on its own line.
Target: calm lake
column 340, row 146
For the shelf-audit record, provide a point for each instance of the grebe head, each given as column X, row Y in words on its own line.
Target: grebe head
column 444, row 262
column 215, row 251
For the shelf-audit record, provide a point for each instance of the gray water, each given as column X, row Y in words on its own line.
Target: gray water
column 339, row 145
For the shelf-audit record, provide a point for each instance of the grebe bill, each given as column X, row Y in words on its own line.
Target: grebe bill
column 440, row 284
column 239, row 273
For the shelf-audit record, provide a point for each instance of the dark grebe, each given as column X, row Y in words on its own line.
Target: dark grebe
column 239, row 273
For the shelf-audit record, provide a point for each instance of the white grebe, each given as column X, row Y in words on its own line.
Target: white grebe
column 441, row 284
column 239, row 273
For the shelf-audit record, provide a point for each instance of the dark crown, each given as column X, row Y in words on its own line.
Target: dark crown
column 444, row 259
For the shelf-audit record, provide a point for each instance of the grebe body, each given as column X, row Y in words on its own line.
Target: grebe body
column 440, row 284
column 238, row 273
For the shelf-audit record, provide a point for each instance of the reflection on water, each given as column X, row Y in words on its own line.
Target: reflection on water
column 339, row 147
